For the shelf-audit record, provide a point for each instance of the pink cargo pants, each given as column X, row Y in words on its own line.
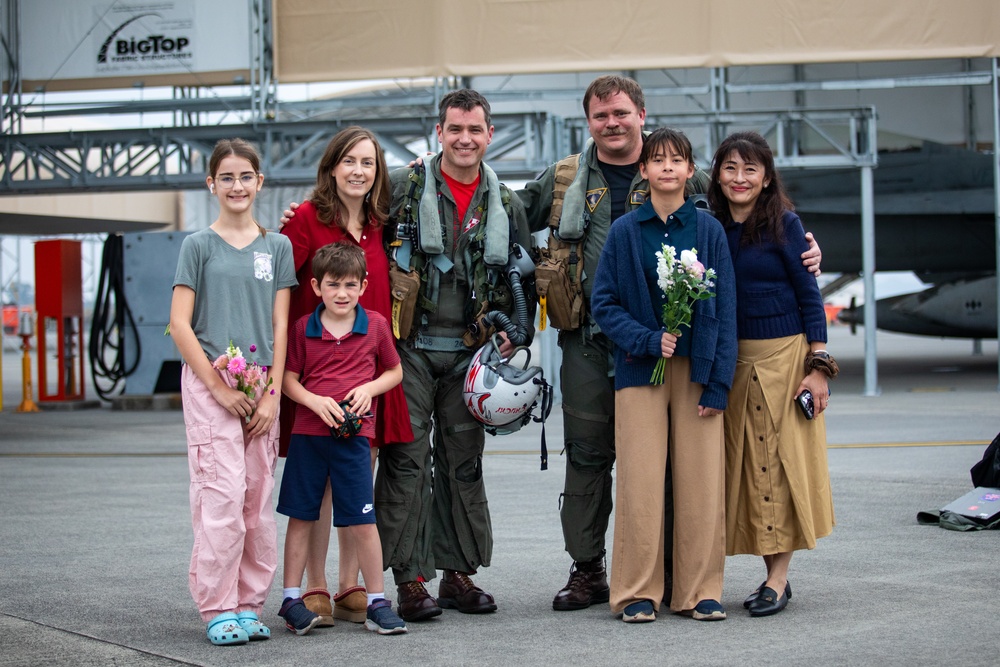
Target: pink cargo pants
column 235, row 550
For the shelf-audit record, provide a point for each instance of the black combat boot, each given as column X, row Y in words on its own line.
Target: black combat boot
column 587, row 585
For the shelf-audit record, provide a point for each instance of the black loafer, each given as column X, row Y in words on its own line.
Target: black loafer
column 753, row 596
column 768, row 603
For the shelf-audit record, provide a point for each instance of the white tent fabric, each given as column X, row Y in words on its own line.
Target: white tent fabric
column 322, row 40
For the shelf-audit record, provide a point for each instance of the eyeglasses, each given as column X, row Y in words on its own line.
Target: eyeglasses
column 228, row 181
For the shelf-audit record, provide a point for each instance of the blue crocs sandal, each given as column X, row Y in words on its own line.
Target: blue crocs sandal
column 250, row 622
column 225, row 630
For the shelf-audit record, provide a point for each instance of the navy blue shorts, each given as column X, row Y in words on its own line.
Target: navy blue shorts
column 346, row 462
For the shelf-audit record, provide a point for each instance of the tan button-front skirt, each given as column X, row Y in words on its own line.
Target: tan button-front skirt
column 778, row 495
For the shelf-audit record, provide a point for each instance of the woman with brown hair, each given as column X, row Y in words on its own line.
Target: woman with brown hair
column 349, row 202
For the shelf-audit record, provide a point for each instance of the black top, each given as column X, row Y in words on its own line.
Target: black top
column 619, row 179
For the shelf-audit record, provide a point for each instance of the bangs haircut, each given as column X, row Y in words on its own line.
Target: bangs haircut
column 339, row 260
column 771, row 204
column 240, row 148
column 665, row 141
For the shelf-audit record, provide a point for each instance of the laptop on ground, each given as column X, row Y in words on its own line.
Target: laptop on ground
column 982, row 504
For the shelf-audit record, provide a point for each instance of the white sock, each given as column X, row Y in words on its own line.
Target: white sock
column 372, row 597
column 293, row 593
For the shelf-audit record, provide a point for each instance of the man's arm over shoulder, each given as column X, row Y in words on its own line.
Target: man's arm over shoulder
column 536, row 198
column 399, row 184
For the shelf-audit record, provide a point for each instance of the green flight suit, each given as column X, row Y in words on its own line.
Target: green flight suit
column 587, row 374
column 430, row 495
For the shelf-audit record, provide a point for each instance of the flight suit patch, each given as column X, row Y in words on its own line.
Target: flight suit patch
column 594, row 198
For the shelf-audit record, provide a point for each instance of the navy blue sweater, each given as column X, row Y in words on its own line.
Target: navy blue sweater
column 622, row 305
column 776, row 296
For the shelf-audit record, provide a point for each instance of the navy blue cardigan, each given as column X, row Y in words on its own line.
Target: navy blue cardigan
column 623, row 308
column 776, row 296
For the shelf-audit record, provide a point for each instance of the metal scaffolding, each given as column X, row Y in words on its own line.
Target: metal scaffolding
column 292, row 136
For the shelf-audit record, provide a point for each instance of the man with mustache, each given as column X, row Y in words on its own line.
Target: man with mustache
column 607, row 178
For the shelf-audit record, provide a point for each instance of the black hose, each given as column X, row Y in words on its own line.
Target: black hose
column 111, row 324
column 517, row 334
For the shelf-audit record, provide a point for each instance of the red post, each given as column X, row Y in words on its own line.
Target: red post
column 59, row 299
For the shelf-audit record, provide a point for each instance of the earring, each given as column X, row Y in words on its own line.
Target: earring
column 211, row 188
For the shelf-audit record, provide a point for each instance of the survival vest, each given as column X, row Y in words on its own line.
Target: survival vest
column 557, row 274
column 411, row 291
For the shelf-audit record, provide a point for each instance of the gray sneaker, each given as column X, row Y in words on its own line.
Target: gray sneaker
column 383, row 620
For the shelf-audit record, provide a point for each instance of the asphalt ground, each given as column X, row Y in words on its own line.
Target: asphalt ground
column 95, row 538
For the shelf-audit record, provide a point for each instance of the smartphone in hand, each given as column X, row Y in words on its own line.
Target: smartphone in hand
column 805, row 403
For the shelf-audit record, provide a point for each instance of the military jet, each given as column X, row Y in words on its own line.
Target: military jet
column 962, row 308
column 934, row 215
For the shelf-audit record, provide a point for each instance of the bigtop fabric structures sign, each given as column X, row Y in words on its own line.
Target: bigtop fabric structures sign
column 102, row 43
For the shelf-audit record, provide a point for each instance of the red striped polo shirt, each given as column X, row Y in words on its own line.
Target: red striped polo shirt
column 331, row 366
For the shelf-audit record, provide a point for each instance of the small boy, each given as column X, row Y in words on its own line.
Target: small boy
column 332, row 358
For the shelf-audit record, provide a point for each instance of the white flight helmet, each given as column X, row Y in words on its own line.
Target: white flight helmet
column 498, row 394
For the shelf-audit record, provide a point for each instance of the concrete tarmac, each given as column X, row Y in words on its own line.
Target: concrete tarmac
column 95, row 539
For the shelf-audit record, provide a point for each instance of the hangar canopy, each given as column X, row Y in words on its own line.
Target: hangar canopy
column 101, row 44
column 331, row 40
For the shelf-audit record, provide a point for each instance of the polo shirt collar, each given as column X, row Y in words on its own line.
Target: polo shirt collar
column 685, row 215
column 314, row 327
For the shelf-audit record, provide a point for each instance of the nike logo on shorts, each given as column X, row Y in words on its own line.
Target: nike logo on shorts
column 367, row 508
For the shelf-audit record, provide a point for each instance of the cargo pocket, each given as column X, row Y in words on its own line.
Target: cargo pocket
column 398, row 509
column 475, row 532
column 404, row 288
column 273, row 442
column 561, row 298
column 201, row 455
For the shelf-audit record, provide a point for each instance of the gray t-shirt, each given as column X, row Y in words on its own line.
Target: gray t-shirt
column 235, row 290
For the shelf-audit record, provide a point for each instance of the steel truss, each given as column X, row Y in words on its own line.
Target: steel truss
column 523, row 145
column 292, row 136
column 176, row 157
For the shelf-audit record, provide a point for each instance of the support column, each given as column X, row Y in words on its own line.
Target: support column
column 868, row 270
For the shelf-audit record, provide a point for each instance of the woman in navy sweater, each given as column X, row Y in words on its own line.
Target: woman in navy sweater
column 685, row 411
column 777, row 484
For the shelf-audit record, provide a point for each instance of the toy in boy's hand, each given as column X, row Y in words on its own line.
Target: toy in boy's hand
column 351, row 425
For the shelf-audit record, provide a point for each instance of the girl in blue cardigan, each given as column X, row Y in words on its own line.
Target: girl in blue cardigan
column 684, row 413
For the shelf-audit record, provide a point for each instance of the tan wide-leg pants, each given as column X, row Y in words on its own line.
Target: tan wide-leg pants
column 649, row 418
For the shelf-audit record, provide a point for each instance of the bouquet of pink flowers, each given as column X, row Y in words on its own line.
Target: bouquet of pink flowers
column 683, row 282
column 250, row 376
